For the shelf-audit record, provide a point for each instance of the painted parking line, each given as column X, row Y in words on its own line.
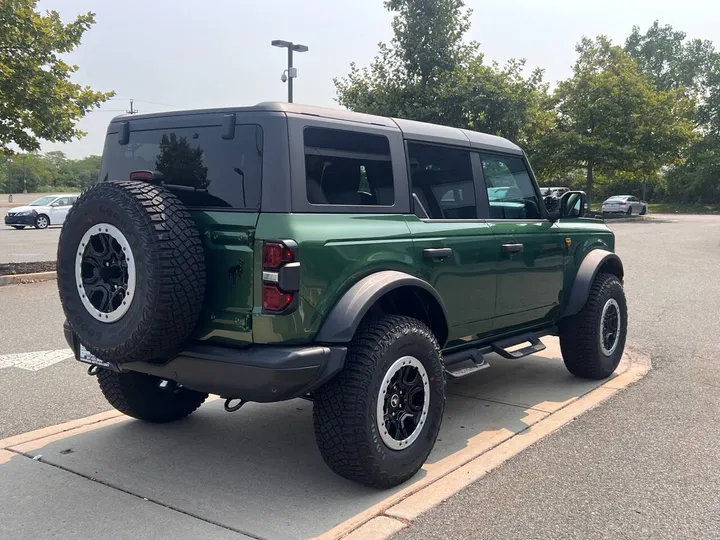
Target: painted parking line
column 34, row 361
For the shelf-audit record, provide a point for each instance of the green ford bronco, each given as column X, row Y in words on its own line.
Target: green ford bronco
column 279, row 251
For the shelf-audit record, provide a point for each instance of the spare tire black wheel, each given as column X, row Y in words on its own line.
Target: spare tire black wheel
column 130, row 271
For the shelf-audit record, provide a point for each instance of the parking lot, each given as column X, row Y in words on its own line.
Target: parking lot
column 257, row 474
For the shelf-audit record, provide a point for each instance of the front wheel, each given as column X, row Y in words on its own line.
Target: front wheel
column 141, row 396
column 42, row 222
column 377, row 420
column 643, row 211
column 593, row 341
column 628, row 212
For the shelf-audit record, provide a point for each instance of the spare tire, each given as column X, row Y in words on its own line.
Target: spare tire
column 130, row 271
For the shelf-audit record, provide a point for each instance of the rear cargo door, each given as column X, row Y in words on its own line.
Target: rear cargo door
column 214, row 166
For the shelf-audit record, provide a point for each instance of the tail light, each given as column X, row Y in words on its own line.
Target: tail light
column 622, row 203
column 281, row 276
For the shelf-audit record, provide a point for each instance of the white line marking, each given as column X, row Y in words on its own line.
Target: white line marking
column 34, row 361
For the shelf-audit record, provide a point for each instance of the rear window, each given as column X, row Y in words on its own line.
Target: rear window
column 196, row 164
column 348, row 168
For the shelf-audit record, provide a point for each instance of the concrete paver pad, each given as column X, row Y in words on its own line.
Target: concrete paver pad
column 259, row 471
column 40, row 501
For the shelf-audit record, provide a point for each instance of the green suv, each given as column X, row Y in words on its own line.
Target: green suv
column 279, row 251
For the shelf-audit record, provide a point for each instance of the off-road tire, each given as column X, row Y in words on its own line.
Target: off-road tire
column 580, row 340
column 138, row 395
column 344, row 411
column 169, row 264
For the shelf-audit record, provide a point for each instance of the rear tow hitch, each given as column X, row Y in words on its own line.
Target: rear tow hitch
column 232, row 408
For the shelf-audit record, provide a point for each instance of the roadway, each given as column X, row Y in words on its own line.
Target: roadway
column 646, row 464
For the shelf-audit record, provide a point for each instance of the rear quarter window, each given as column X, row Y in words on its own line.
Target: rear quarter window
column 197, row 164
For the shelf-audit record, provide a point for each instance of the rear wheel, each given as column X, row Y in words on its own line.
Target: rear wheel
column 42, row 222
column 377, row 420
column 141, row 396
column 592, row 341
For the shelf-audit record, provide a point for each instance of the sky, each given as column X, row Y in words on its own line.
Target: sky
column 187, row 54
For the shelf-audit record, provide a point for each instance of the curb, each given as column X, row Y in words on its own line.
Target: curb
column 399, row 510
column 27, row 278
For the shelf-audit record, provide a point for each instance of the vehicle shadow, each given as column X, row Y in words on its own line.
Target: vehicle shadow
column 258, row 470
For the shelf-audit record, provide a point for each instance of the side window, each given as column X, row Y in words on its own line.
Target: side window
column 348, row 168
column 442, row 182
column 511, row 192
column 64, row 201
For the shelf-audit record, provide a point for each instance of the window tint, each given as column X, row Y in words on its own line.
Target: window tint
column 197, row 164
column 511, row 192
column 348, row 168
column 442, row 182
column 64, row 201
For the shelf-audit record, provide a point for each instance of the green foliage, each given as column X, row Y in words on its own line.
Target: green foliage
column 180, row 163
column 38, row 101
column 697, row 180
column 52, row 171
column 610, row 117
column 428, row 73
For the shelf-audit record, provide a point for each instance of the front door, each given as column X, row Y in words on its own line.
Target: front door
column 60, row 209
column 454, row 250
column 530, row 247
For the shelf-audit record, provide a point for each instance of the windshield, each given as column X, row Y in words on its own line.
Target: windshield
column 42, row 201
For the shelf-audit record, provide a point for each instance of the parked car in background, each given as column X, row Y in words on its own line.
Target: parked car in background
column 626, row 204
column 42, row 212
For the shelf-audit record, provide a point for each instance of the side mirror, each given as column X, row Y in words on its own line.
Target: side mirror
column 572, row 204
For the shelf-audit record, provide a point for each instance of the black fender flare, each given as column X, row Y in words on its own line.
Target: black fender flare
column 589, row 268
column 344, row 319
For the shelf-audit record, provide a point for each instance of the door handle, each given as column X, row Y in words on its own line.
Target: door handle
column 513, row 248
column 437, row 253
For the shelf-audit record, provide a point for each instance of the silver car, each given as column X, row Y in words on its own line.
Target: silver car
column 626, row 204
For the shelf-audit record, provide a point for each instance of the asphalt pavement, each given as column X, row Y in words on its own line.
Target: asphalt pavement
column 647, row 463
column 28, row 245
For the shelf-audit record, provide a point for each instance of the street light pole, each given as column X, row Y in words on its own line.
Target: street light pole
column 291, row 71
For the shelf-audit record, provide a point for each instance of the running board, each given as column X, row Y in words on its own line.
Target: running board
column 500, row 347
column 464, row 363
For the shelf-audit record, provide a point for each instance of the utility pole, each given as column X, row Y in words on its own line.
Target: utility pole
column 132, row 109
column 290, row 71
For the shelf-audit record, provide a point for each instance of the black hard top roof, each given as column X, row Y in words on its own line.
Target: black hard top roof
column 411, row 129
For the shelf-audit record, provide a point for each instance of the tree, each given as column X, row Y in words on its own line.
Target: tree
column 674, row 62
column 37, row 98
column 610, row 117
column 429, row 73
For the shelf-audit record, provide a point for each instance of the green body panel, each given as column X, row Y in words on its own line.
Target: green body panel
column 487, row 293
column 335, row 251
column 585, row 234
column 228, row 240
column 467, row 280
column 529, row 282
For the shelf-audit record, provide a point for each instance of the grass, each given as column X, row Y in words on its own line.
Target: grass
column 677, row 208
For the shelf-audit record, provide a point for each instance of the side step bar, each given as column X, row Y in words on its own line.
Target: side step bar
column 500, row 347
column 464, row 363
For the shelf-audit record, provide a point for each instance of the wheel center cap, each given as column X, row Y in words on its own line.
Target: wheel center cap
column 395, row 401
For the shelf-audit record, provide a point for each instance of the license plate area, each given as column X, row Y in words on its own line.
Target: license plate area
column 89, row 358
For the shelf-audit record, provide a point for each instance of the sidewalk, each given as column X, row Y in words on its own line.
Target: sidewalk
column 257, row 473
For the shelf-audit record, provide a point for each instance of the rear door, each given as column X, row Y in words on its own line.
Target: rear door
column 454, row 249
column 530, row 247
column 216, row 171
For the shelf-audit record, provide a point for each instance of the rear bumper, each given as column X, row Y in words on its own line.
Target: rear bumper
column 28, row 220
column 257, row 373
